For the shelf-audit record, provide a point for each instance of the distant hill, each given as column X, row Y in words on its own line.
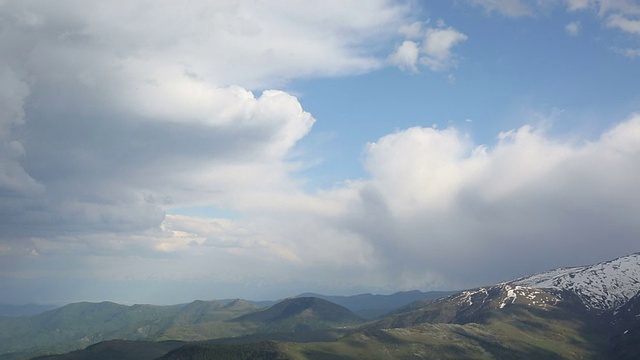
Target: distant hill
column 141, row 350
column 258, row 351
column 301, row 314
column 78, row 325
column 370, row 306
column 119, row 349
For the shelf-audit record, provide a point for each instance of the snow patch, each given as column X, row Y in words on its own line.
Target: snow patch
column 603, row 286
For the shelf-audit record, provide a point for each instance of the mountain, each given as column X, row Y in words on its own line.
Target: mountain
column 119, row 349
column 259, row 351
column 594, row 308
column 141, row 350
column 604, row 286
column 587, row 312
column 300, row 314
column 78, row 325
column 370, row 306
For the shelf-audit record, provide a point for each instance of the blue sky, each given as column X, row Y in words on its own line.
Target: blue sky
column 512, row 71
column 255, row 149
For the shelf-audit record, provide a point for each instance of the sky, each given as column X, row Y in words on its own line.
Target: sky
column 161, row 152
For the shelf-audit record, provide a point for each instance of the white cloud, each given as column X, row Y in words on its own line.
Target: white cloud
column 510, row 8
column 573, row 28
column 434, row 50
column 433, row 195
column 128, row 110
column 619, row 14
column 627, row 7
column 574, row 5
column 13, row 93
column 413, row 30
column 123, row 113
column 632, row 53
column 437, row 47
column 624, row 24
column 406, row 56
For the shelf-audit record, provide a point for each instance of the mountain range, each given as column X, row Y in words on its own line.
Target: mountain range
column 78, row 325
column 587, row 312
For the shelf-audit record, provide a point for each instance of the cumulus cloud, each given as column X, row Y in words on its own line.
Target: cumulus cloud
column 439, row 211
column 434, row 51
column 115, row 116
column 573, row 28
column 437, row 47
column 406, row 56
column 107, row 125
column 434, row 197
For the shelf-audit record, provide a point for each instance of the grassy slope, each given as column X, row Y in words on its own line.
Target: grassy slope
column 499, row 339
column 78, row 325
column 517, row 331
column 119, row 349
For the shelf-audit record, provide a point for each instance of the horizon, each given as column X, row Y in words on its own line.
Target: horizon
column 226, row 299
column 153, row 154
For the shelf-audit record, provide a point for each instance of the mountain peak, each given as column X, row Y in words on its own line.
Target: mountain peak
column 304, row 307
column 603, row 286
column 239, row 304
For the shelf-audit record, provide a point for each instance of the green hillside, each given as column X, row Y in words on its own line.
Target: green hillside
column 503, row 321
column 78, row 325
column 300, row 314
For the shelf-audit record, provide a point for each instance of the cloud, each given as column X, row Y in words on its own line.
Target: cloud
column 438, row 211
column 631, row 53
column 437, row 47
column 574, row 5
column 624, row 24
column 435, row 51
column 619, row 14
column 413, row 30
column 107, row 126
column 406, row 56
column 627, row 7
column 632, row 26
column 105, row 123
column 522, row 204
column 510, row 8
column 572, row 28
column 13, row 178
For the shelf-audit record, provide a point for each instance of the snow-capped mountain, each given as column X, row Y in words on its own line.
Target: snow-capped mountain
column 604, row 286
column 592, row 309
